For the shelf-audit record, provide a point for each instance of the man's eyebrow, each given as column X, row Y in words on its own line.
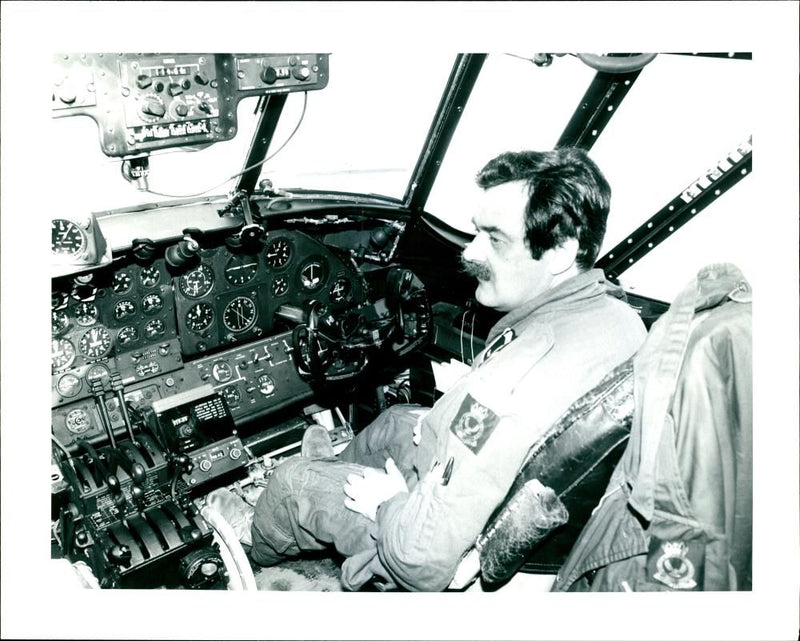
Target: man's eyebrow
column 490, row 229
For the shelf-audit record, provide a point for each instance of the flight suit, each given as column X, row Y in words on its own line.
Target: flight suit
column 538, row 360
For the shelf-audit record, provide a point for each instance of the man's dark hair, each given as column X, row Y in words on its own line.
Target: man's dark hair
column 568, row 197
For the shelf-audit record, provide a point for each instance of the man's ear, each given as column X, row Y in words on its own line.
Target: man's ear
column 562, row 258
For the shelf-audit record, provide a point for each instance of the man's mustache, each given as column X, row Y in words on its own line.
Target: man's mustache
column 475, row 269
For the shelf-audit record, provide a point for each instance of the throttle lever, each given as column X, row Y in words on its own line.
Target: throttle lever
column 96, row 389
column 119, row 389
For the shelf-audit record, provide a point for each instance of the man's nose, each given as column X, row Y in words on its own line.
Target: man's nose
column 472, row 251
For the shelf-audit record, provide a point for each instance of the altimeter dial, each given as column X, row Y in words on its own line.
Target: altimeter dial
column 197, row 282
column 199, row 317
column 95, row 343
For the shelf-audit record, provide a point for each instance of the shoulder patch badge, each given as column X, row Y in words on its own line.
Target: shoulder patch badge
column 474, row 424
column 676, row 564
column 499, row 343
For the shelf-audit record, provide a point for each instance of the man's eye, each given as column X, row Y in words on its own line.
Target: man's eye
column 495, row 240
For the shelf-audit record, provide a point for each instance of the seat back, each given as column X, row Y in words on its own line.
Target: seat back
column 574, row 459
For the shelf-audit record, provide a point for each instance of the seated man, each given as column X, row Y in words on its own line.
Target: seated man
column 408, row 497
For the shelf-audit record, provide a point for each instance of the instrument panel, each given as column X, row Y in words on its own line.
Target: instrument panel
column 142, row 324
column 233, row 297
column 143, row 102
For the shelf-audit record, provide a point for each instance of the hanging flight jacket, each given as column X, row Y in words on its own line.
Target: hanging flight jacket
column 677, row 513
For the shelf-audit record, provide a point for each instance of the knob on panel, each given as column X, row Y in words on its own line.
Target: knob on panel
column 269, row 75
column 153, row 107
column 301, row 73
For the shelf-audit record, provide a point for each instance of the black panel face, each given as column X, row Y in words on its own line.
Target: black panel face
column 121, row 320
column 232, row 297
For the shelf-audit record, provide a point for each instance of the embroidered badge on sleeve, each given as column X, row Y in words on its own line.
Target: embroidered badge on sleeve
column 474, row 424
column 499, row 343
column 676, row 564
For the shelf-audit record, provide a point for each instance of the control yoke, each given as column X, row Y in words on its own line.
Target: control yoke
column 333, row 347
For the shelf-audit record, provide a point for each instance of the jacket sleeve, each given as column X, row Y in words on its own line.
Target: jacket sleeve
column 421, row 536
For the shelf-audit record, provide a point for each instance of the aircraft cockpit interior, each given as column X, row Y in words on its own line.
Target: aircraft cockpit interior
column 249, row 245
column 194, row 340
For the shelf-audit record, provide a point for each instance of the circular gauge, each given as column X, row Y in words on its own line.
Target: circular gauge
column 222, row 372
column 68, row 385
column 127, row 335
column 266, row 384
column 62, row 353
column 340, row 290
column 83, row 291
column 278, row 253
column 86, row 314
column 124, row 308
column 121, row 283
column 68, row 238
column 150, row 276
column 152, row 304
column 154, row 328
column 60, row 321
column 232, row 395
column 241, row 269
column 240, row 314
column 78, row 421
column 58, row 299
column 280, row 286
column 197, row 282
column 313, row 274
column 97, row 372
column 199, row 317
column 95, row 343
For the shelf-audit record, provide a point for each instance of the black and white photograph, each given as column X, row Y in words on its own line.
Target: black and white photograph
column 400, row 320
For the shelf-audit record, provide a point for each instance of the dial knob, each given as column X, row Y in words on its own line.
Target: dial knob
column 152, row 107
column 205, row 465
column 269, row 75
column 143, row 81
column 181, row 109
column 301, row 73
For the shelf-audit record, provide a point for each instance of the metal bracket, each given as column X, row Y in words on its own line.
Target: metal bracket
column 598, row 105
column 459, row 86
column 697, row 196
column 271, row 108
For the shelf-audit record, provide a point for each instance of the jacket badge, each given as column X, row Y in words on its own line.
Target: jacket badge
column 499, row 343
column 674, row 568
column 474, row 423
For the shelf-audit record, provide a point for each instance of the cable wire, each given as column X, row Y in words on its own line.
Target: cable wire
column 246, row 169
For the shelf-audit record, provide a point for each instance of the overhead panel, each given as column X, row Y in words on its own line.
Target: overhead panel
column 144, row 102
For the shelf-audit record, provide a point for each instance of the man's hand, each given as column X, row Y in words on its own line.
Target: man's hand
column 367, row 492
